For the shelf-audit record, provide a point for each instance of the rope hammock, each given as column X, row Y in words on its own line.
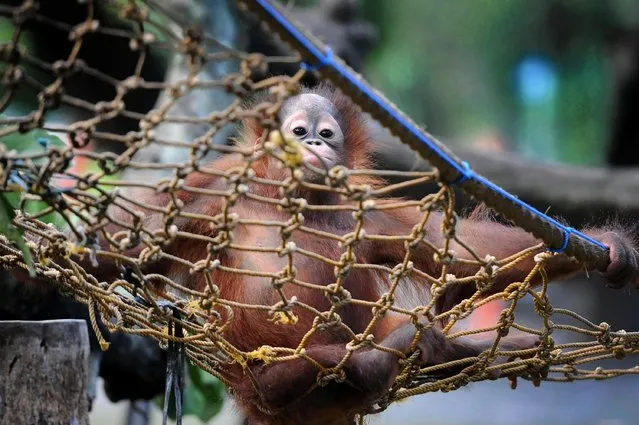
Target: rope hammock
column 42, row 182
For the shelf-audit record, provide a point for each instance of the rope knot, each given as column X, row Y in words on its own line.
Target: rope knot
column 359, row 193
column 264, row 354
column 150, row 254
column 290, row 226
column 368, row 205
column 486, row 274
column 604, row 338
column 254, row 62
column 542, row 257
column 289, row 248
column 204, row 265
column 387, row 300
column 294, row 205
column 360, row 341
column 444, row 257
column 400, row 271
column 51, row 96
column 464, row 309
column 222, row 240
column 505, row 321
column 337, row 176
column 324, row 377
column 337, row 295
column 327, row 320
column 224, row 221
column 284, row 277
column 542, row 306
column 416, row 236
column 352, row 237
column 237, row 84
column 283, row 317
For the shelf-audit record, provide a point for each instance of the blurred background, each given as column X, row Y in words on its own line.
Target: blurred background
column 546, row 79
column 540, row 85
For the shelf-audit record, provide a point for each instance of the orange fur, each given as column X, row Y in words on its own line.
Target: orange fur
column 369, row 372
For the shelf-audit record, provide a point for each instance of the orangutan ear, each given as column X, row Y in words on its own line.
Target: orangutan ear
column 252, row 127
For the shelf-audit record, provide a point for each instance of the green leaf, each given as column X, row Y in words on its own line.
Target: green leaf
column 206, row 394
column 203, row 395
column 31, row 141
column 55, row 218
column 34, row 140
column 13, row 233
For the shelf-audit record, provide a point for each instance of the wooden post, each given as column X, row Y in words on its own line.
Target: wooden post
column 44, row 369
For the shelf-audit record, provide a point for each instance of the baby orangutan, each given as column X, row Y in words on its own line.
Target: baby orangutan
column 334, row 133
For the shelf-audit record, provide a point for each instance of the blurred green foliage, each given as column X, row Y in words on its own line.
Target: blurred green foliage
column 453, row 66
column 12, row 232
column 10, row 201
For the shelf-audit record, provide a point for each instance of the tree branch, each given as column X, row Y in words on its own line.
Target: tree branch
column 574, row 192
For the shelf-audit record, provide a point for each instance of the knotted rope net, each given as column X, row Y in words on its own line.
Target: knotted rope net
column 42, row 180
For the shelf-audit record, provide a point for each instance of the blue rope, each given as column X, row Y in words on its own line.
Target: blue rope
column 567, row 232
column 326, row 59
column 15, row 178
column 466, row 175
column 469, row 174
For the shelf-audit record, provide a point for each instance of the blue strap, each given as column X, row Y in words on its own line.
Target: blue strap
column 466, row 175
column 325, row 60
column 567, row 232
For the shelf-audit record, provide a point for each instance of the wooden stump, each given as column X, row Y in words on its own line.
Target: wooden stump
column 44, row 369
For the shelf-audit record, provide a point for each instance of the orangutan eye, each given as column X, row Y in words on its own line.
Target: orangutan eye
column 299, row 131
column 326, row 133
